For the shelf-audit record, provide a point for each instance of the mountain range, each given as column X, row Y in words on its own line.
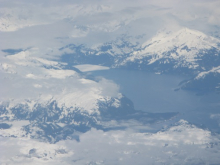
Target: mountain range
column 183, row 52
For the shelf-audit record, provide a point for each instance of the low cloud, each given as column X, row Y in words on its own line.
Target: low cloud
column 40, row 28
column 27, row 77
column 56, row 24
column 180, row 144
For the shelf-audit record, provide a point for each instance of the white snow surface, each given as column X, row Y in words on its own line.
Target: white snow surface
column 205, row 73
column 161, row 45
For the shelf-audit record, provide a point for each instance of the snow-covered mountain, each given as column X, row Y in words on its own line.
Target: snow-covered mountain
column 76, row 85
column 41, row 90
column 56, row 102
column 57, row 96
column 183, row 49
column 204, row 82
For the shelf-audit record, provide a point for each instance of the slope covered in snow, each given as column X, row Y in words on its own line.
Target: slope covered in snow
column 184, row 48
column 47, row 81
column 205, row 82
column 205, row 73
column 42, row 90
column 56, row 109
column 52, row 97
column 182, row 51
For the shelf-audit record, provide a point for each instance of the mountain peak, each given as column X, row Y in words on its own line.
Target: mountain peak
column 183, row 37
column 191, row 31
column 184, row 46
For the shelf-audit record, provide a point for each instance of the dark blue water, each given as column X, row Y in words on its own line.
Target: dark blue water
column 151, row 92
column 156, row 93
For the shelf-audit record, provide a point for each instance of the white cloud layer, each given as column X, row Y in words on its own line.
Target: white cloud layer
column 48, row 24
column 40, row 28
column 27, row 79
column 180, row 144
